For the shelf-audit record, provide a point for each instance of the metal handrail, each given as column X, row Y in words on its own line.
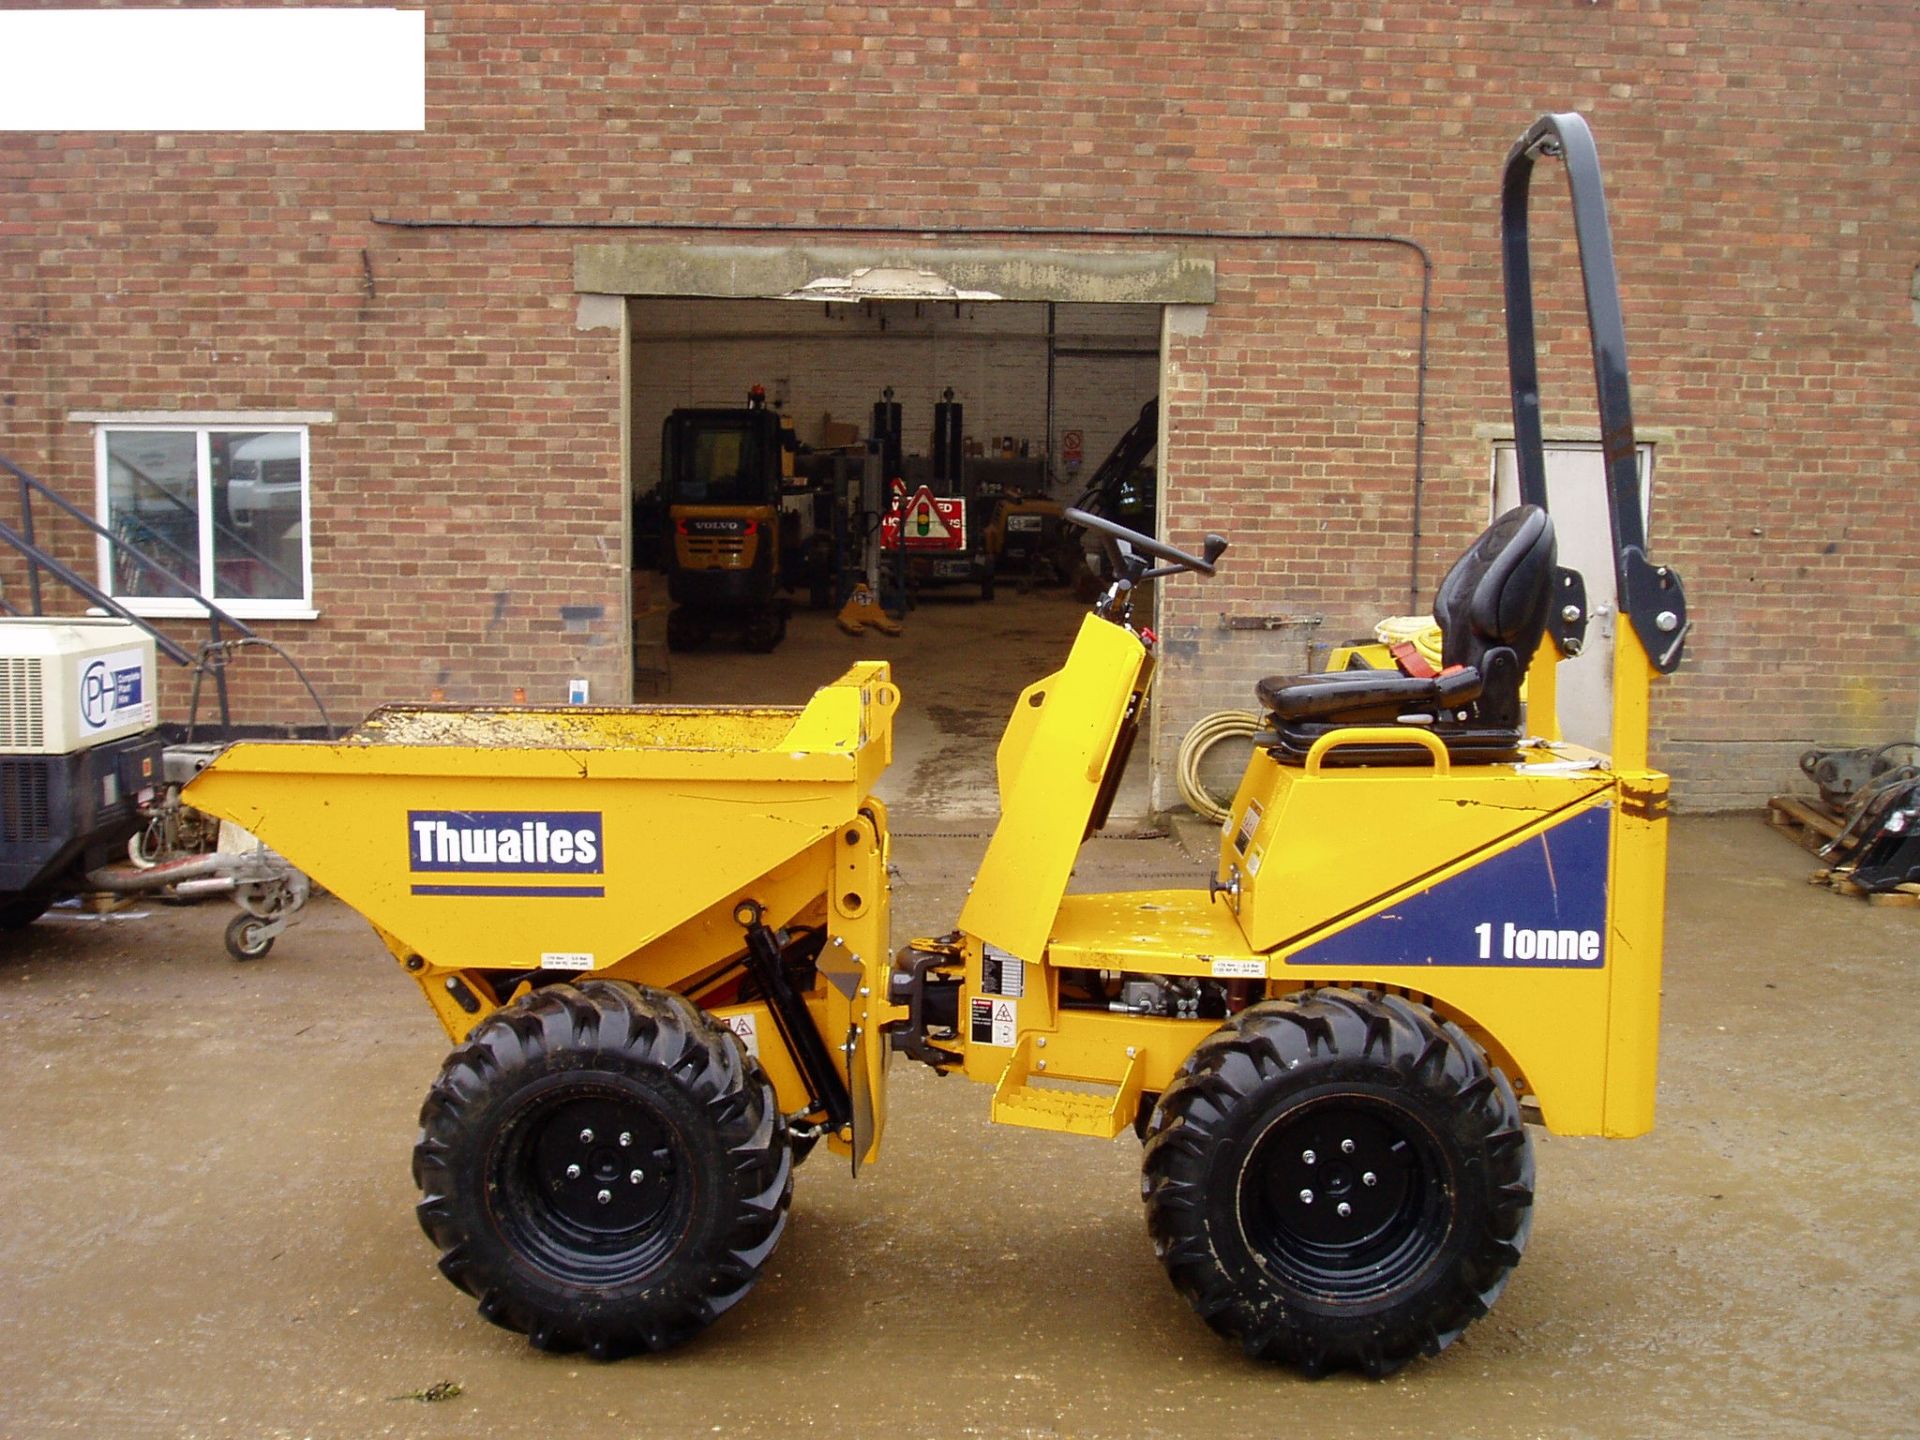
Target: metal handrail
column 22, row 540
column 91, row 593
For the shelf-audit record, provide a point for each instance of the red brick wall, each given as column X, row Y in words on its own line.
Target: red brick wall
column 1762, row 164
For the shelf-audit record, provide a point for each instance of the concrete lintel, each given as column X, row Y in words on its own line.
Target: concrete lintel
column 1574, row 434
column 1129, row 277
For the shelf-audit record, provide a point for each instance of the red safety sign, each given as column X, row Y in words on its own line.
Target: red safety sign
column 933, row 522
column 1073, row 447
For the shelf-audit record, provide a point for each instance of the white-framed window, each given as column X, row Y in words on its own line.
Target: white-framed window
column 224, row 505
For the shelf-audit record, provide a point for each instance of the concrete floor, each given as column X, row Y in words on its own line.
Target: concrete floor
column 206, row 1229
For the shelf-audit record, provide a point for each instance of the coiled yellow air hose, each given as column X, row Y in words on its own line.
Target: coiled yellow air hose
column 1219, row 726
column 1422, row 630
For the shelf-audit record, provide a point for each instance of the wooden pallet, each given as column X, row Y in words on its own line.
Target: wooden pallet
column 1810, row 822
column 1813, row 824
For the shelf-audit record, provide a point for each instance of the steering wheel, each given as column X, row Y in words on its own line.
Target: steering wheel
column 1214, row 545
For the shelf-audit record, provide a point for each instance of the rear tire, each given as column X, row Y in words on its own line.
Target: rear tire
column 1339, row 1179
column 603, row 1168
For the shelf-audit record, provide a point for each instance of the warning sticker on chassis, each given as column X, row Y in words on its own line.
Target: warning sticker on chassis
column 747, row 1028
column 993, row 1020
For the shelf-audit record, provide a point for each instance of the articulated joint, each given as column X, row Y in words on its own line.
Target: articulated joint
column 932, row 1001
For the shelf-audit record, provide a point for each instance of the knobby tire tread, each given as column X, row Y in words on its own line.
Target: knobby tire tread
column 1246, row 1070
column 637, row 1027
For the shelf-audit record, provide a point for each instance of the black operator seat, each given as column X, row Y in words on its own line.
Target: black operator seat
column 1492, row 608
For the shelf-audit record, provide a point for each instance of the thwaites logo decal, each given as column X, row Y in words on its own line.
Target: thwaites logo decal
column 495, row 851
column 1540, row 904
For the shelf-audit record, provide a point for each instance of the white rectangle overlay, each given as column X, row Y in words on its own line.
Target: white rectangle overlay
column 234, row 70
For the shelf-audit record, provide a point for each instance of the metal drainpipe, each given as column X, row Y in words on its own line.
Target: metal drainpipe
column 1052, row 232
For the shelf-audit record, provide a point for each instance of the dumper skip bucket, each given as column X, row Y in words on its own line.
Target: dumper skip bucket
column 556, row 839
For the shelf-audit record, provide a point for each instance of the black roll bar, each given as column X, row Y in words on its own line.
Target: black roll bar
column 1650, row 595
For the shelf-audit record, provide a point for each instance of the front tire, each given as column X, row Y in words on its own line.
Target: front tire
column 603, row 1168
column 1339, row 1179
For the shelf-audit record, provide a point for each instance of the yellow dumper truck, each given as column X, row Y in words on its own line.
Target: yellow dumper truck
column 659, row 939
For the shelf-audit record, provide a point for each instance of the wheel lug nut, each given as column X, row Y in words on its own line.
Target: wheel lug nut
column 573, row 1172
column 1343, row 1210
column 1369, row 1178
column 586, row 1137
column 1306, row 1197
column 626, row 1138
column 637, row 1176
column 604, row 1197
column 1346, row 1147
column 1307, row 1156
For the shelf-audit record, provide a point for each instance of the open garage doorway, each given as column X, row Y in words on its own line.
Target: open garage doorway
column 779, row 447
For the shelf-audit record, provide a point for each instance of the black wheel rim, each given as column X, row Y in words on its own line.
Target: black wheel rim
column 1345, row 1197
column 591, row 1185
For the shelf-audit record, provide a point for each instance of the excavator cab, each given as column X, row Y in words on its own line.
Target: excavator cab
column 722, row 472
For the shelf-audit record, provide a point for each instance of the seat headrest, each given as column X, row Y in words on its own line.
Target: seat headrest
column 1500, row 591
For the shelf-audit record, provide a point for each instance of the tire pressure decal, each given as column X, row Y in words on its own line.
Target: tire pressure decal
column 1238, row 969
column 1541, row 904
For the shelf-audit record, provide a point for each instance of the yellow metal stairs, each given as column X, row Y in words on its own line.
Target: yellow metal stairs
column 1022, row 1097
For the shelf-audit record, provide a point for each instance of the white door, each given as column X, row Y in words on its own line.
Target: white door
column 1577, row 499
